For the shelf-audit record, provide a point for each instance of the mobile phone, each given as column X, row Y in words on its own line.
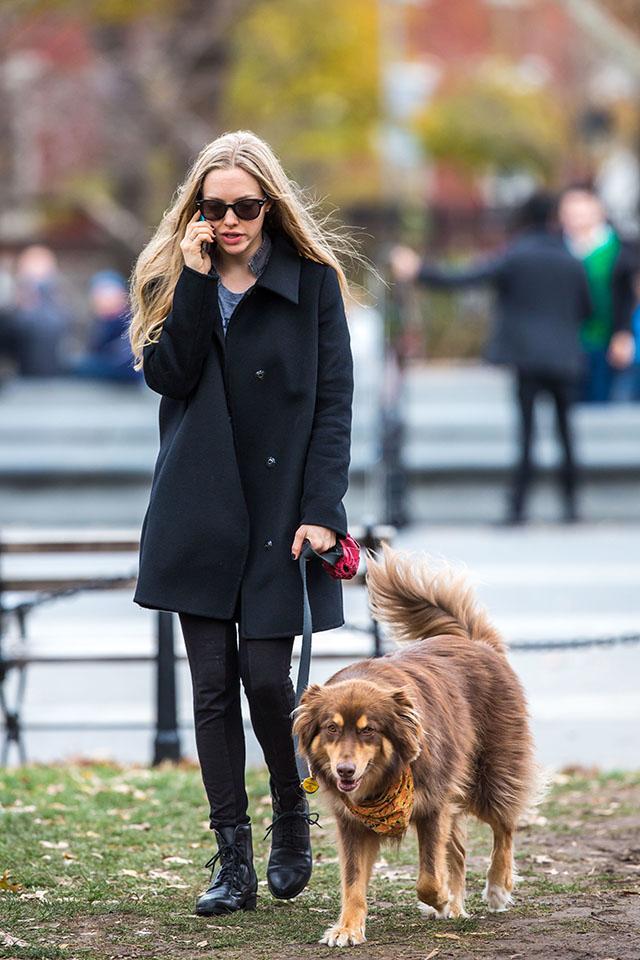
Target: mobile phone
column 204, row 246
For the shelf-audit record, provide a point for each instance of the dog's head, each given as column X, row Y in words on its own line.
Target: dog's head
column 355, row 734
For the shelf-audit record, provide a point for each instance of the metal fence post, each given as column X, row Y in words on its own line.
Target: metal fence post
column 167, row 740
column 371, row 541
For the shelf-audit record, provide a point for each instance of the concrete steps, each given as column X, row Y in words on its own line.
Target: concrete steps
column 73, row 452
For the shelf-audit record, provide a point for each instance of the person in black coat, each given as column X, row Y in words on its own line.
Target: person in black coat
column 542, row 299
column 239, row 323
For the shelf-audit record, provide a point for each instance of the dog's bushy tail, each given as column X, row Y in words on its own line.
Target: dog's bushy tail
column 418, row 597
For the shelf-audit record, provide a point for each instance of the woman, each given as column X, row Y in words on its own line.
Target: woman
column 239, row 322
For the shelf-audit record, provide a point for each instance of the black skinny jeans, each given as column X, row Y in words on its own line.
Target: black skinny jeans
column 562, row 392
column 218, row 662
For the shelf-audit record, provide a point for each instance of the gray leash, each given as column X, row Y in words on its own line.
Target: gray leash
column 304, row 667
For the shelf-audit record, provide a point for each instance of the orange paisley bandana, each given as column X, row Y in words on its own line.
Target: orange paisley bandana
column 390, row 815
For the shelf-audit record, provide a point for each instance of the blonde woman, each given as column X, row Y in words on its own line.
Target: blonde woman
column 239, row 323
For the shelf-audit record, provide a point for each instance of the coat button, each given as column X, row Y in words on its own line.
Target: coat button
column 260, row 374
column 271, row 461
column 268, row 544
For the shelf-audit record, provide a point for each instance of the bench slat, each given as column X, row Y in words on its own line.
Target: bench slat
column 35, row 584
column 73, row 540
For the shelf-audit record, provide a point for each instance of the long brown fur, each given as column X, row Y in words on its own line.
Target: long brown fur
column 448, row 704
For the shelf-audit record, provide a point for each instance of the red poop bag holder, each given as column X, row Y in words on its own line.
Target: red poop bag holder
column 341, row 562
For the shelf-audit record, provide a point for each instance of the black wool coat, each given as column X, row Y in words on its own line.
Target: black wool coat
column 542, row 300
column 255, row 433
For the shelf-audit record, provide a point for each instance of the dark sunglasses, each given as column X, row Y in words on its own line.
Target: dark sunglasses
column 244, row 209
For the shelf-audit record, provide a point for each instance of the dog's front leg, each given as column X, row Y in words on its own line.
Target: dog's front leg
column 433, row 875
column 358, row 848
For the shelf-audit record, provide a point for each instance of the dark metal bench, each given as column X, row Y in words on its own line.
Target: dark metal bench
column 33, row 590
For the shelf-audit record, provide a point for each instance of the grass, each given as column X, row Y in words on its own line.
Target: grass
column 109, row 860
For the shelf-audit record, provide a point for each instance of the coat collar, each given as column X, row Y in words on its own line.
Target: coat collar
column 282, row 272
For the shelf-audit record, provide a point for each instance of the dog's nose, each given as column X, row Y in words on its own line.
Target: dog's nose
column 346, row 770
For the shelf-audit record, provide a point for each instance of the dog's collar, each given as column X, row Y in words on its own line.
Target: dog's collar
column 390, row 814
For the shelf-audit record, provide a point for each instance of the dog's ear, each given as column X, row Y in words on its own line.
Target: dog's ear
column 306, row 723
column 406, row 729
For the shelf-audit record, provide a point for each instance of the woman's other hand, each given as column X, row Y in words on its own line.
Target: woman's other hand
column 198, row 232
column 320, row 538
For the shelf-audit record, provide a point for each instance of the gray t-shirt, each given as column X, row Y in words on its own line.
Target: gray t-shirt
column 228, row 301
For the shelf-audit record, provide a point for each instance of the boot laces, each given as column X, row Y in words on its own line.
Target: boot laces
column 288, row 820
column 232, row 857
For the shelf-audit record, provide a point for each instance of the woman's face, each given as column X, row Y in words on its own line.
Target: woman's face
column 235, row 236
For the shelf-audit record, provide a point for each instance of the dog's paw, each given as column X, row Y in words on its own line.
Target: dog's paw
column 432, row 914
column 497, row 898
column 342, row 936
column 456, row 909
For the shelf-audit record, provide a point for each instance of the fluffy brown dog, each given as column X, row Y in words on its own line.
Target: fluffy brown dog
column 428, row 734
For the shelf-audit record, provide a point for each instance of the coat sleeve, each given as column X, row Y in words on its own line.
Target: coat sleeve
column 326, row 473
column 483, row 271
column 173, row 365
column 624, row 299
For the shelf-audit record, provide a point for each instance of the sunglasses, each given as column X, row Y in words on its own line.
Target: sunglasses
column 244, row 209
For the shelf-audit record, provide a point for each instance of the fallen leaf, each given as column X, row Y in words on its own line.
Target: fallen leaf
column 34, row 895
column 175, row 860
column 10, row 941
column 9, row 885
column 50, row 845
column 432, row 954
column 54, row 788
column 202, row 943
column 447, row 936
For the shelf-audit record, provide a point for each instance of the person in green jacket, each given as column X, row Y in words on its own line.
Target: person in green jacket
column 610, row 263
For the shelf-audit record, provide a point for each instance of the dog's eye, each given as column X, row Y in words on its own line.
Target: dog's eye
column 366, row 731
column 332, row 728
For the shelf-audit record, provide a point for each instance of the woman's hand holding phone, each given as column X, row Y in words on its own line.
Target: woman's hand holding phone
column 197, row 240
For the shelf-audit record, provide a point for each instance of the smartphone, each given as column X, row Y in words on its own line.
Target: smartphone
column 204, row 246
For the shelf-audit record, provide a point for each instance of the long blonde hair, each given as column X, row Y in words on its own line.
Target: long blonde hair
column 159, row 265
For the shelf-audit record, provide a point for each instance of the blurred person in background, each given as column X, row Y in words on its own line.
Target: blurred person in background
column 542, row 301
column 626, row 386
column 108, row 355
column 9, row 339
column 610, row 263
column 41, row 317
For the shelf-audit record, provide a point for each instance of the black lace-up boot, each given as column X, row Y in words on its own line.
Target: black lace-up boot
column 290, row 860
column 236, row 883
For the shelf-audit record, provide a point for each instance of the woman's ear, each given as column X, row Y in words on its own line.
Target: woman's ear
column 406, row 729
column 306, row 723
